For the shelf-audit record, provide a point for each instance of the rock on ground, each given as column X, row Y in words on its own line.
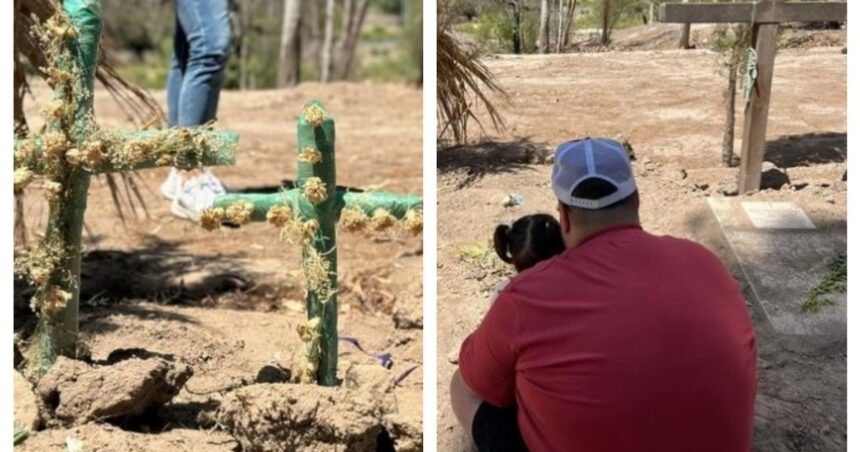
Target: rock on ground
column 26, row 404
column 773, row 177
column 290, row 417
column 408, row 310
column 405, row 427
column 80, row 392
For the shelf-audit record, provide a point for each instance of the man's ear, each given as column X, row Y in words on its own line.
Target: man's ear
column 564, row 219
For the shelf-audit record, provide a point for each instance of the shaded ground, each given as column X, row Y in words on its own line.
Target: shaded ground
column 227, row 303
column 668, row 104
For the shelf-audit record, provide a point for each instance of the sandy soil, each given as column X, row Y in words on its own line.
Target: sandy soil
column 227, row 303
column 668, row 104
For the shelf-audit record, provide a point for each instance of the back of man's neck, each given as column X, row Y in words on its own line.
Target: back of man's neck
column 583, row 234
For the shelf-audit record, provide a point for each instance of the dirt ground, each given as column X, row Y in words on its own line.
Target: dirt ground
column 227, row 303
column 668, row 104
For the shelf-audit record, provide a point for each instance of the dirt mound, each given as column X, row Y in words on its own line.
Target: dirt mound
column 271, row 417
column 665, row 37
column 79, row 392
column 357, row 416
column 654, row 37
column 804, row 39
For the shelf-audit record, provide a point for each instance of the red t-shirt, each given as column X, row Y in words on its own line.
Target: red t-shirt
column 628, row 342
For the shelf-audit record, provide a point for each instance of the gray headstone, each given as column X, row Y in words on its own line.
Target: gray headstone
column 783, row 255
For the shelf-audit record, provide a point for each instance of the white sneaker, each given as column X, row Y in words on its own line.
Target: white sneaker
column 213, row 181
column 197, row 194
column 172, row 184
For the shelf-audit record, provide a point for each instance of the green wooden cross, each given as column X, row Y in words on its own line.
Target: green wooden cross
column 66, row 155
column 312, row 211
column 765, row 17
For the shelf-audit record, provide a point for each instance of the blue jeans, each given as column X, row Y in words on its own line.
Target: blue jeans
column 201, row 46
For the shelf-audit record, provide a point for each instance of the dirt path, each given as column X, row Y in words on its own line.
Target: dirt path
column 227, row 303
column 668, row 105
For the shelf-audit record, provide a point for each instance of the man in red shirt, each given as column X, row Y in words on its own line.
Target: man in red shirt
column 625, row 342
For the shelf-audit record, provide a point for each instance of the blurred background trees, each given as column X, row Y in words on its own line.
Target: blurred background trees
column 546, row 26
column 278, row 42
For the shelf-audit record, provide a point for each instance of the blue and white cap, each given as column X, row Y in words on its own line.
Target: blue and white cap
column 578, row 160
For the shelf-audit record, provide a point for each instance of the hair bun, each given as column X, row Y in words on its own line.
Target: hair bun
column 500, row 242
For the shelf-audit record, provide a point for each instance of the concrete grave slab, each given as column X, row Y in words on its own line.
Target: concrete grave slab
column 777, row 215
column 783, row 255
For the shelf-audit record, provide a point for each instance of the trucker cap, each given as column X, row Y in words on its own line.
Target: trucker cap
column 578, row 160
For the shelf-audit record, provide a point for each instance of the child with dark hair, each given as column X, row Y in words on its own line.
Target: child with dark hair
column 529, row 240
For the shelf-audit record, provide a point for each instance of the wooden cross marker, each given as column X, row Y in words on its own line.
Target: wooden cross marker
column 66, row 155
column 765, row 17
column 312, row 211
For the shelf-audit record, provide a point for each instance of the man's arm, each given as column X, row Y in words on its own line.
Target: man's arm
column 488, row 357
column 464, row 402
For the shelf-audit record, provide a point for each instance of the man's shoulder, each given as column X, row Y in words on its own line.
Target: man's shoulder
column 552, row 271
column 688, row 248
column 568, row 269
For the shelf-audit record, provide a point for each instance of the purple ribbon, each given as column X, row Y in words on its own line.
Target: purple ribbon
column 384, row 358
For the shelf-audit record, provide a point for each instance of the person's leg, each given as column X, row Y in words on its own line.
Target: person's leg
column 206, row 24
column 207, row 27
column 178, row 61
column 490, row 428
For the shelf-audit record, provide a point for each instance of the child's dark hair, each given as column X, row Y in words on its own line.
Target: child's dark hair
column 531, row 239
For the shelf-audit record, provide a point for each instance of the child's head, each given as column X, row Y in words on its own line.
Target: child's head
column 531, row 239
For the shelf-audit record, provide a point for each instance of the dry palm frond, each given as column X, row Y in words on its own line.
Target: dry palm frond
column 140, row 107
column 461, row 78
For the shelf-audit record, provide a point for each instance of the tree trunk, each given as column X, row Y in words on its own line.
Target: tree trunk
column 564, row 31
column 560, row 32
column 350, row 39
column 543, row 34
column 605, row 22
column 289, row 70
column 328, row 36
column 517, row 36
column 729, row 126
column 244, row 47
column 684, row 40
column 414, row 27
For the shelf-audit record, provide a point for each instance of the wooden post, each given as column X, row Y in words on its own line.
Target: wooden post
column 755, row 115
column 765, row 16
column 684, row 41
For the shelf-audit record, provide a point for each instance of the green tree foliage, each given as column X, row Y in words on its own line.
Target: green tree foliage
column 493, row 24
